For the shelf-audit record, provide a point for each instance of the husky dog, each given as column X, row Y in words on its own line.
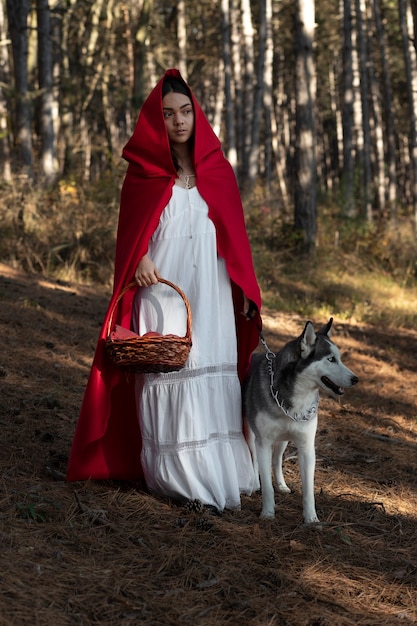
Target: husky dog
column 281, row 398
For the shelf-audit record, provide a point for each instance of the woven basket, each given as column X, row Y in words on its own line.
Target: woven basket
column 150, row 354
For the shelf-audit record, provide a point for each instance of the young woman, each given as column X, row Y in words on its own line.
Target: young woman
column 181, row 218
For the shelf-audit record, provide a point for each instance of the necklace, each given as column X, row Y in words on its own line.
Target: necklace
column 186, row 179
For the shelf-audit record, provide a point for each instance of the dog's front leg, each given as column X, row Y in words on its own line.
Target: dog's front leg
column 307, row 460
column 279, row 449
column 264, row 454
column 252, row 448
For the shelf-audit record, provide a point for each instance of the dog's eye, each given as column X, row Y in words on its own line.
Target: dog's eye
column 332, row 359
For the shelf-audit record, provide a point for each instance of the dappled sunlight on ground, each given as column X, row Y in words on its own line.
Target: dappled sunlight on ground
column 85, row 553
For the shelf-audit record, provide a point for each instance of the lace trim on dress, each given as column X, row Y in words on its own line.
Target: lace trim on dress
column 187, row 373
column 176, row 447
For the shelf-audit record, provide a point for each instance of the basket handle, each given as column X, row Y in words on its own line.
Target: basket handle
column 161, row 280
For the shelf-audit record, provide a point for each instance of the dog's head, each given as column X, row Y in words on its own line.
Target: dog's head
column 323, row 362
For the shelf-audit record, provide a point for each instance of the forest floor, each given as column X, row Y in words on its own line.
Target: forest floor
column 107, row 553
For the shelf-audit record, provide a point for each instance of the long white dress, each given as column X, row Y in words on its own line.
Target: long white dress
column 191, row 420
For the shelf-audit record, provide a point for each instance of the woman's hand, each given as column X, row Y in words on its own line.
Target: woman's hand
column 146, row 272
column 249, row 308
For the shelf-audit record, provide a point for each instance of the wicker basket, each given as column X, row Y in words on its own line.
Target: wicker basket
column 154, row 353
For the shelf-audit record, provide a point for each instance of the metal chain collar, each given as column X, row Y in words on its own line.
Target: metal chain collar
column 297, row 417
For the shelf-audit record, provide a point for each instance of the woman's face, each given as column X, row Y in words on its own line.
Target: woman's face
column 179, row 117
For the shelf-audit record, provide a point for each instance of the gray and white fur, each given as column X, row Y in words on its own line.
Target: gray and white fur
column 281, row 396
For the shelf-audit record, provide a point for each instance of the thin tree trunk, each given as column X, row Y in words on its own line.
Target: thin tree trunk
column 5, row 80
column 364, row 90
column 280, row 120
column 67, row 114
column 249, row 81
column 406, row 22
column 109, row 69
column 219, row 102
column 227, row 60
column 358, row 138
column 268, row 102
column 348, row 163
column 182, row 39
column 236, row 85
column 305, row 186
column 257, row 102
column 388, row 110
column 141, row 35
column 337, row 114
column 18, row 13
column 48, row 159
column 377, row 135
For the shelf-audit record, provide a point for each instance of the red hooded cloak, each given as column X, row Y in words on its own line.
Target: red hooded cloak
column 107, row 439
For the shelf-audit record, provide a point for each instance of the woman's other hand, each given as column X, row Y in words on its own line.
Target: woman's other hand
column 146, row 272
column 249, row 308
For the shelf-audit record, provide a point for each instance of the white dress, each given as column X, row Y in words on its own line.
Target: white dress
column 191, row 420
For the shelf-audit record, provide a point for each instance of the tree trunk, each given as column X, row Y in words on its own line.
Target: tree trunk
column 406, row 22
column 141, row 35
column 48, row 107
column 365, row 164
column 249, row 81
column 377, row 135
column 268, row 101
column 67, row 109
column 182, row 39
column 348, row 163
column 17, row 14
column 237, row 83
column 227, row 61
column 388, row 110
column 257, row 101
column 305, row 185
column 6, row 173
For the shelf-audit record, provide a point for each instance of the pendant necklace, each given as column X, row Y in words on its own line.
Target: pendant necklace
column 186, row 179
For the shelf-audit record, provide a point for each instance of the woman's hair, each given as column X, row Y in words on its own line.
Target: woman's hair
column 172, row 84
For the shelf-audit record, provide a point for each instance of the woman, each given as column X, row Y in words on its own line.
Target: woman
column 181, row 218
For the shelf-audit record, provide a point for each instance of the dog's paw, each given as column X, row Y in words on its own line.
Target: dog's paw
column 313, row 519
column 267, row 514
column 283, row 488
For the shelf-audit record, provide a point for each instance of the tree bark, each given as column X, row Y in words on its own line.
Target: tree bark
column 365, row 161
column 258, row 97
column 182, row 39
column 305, row 184
column 48, row 106
column 249, row 81
column 4, row 80
column 18, row 14
column 348, row 163
column 390, row 142
column 227, row 65
column 406, row 22
column 236, row 85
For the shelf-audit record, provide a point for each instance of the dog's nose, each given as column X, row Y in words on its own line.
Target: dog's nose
column 354, row 380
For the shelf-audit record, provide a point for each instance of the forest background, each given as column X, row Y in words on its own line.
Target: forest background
column 315, row 103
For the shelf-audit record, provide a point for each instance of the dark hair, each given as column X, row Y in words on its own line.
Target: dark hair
column 172, row 84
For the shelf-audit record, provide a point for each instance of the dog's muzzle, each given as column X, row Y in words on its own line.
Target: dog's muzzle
column 331, row 385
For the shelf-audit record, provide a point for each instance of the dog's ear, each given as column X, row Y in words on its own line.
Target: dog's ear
column 308, row 340
column 326, row 330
